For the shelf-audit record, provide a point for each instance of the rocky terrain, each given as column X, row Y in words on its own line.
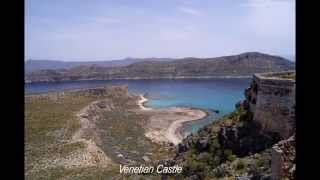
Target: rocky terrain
column 35, row 65
column 239, row 145
column 87, row 133
column 227, row 66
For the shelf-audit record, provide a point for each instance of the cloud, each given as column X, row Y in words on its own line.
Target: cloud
column 190, row 11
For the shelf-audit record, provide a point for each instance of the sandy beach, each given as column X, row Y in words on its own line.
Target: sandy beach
column 141, row 103
column 164, row 124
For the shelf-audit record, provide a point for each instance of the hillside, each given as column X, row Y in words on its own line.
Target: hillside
column 237, row 65
column 36, row 65
column 86, row 134
column 251, row 142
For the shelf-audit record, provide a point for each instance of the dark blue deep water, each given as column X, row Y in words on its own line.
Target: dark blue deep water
column 217, row 94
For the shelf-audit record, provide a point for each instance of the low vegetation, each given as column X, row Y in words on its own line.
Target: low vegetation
column 244, row 64
column 231, row 146
column 51, row 121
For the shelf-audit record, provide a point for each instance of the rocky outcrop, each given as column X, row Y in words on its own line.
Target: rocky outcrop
column 259, row 127
column 245, row 139
column 284, row 159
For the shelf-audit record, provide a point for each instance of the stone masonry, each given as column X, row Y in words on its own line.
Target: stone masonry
column 271, row 99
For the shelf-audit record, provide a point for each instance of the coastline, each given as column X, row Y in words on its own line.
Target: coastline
column 144, row 78
column 166, row 124
column 141, row 103
column 175, row 130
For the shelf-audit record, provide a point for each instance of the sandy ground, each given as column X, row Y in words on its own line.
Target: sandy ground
column 164, row 124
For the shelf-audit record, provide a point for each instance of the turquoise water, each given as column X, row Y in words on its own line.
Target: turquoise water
column 208, row 94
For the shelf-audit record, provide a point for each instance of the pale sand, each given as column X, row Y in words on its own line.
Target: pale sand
column 173, row 134
column 164, row 124
column 141, row 103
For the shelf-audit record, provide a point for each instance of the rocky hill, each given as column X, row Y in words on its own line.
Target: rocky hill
column 36, row 65
column 237, row 65
column 240, row 145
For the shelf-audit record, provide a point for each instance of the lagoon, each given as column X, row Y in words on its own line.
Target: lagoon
column 208, row 94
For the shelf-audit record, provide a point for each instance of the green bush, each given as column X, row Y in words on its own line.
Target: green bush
column 231, row 157
column 235, row 115
column 220, row 172
column 260, row 162
column 227, row 152
column 240, row 165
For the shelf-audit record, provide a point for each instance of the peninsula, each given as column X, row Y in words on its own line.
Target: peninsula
column 98, row 128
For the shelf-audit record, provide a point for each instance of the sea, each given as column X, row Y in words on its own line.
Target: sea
column 216, row 96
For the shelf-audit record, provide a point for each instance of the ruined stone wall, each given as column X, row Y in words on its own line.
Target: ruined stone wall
column 283, row 163
column 271, row 99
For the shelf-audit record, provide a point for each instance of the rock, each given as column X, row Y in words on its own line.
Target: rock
column 181, row 148
column 284, row 159
column 214, row 110
column 244, row 104
column 120, row 156
column 242, row 178
column 238, row 104
column 202, row 144
column 101, row 105
column 194, row 177
column 84, row 115
column 146, row 158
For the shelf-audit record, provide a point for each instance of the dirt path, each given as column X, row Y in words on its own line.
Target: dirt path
column 91, row 155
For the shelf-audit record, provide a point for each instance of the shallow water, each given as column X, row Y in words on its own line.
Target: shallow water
column 208, row 94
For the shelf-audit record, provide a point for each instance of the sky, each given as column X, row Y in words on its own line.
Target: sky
column 84, row 30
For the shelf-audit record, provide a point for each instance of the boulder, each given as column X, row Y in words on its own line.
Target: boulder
column 181, row 148
column 202, row 144
column 242, row 178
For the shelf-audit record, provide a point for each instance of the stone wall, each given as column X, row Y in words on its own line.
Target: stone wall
column 271, row 99
column 283, row 163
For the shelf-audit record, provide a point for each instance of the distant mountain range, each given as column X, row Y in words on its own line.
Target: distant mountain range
column 244, row 64
column 35, row 65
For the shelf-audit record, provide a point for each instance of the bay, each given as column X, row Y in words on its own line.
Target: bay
column 209, row 94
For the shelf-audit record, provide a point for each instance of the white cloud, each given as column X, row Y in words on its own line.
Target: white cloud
column 190, row 11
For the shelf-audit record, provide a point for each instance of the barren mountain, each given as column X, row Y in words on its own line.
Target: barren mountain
column 236, row 65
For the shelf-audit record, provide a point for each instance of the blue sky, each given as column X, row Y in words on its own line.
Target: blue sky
column 103, row 29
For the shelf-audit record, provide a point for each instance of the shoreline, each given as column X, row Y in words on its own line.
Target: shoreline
column 141, row 103
column 175, row 130
column 184, row 125
column 145, row 78
column 177, row 117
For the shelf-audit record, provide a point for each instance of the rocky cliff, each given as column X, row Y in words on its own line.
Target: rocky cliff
column 247, row 144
